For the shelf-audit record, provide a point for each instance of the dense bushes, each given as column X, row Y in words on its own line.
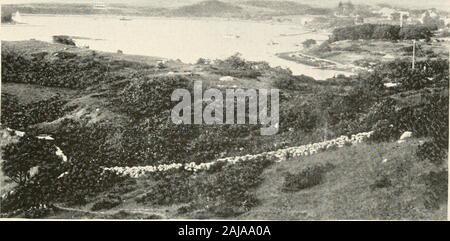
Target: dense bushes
column 225, row 191
column 107, row 202
column 44, row 177
column 436, row 150
column 307, row 43
column 284, row 80
column 151, row 137
column 62, row 69
column 146, row 95
column 28, row 153
column 306, row 178
column 380, row 31
column 237, row 67
column 17, row 116
column 63, row 39
column 389, row 119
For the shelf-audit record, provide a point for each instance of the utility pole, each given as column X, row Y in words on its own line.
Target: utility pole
column 414, row 54
column 401, row 20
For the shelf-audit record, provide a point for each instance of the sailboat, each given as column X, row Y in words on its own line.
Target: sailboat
column 17, row 18
column 125, row 19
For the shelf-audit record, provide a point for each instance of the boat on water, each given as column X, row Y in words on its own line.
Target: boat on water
column 125, row 19
column 16, row 17
column 232, row 36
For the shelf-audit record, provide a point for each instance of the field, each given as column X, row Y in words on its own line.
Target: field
column 108, row 111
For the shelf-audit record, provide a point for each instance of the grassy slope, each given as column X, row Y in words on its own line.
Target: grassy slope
column 346, row 192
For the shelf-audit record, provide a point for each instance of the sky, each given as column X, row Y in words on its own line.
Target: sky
column 442, row 4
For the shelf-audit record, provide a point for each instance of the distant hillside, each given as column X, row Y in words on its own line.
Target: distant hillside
column 210, row 8
column 82, row 9
column 286, row 7
column 6, row 16
column 277, row 5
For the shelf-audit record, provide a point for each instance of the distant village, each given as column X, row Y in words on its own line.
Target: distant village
column 384, row 14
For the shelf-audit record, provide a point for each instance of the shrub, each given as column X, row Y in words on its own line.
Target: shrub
column 430, row 151
column 306, row 178
column 152, row 95
column 19, row 116
column 108, row 202
column 29, row 152
column 237, row 67
column 226, row 192
column 437, row 188
column 64, row 69
column 324, row 47
column 307, row 43
column 283, row 79
column 381, row 182
column 303, row 117
column 170, row 189
column 63, row 39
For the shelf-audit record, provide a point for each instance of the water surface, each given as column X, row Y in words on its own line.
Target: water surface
column 175, row 38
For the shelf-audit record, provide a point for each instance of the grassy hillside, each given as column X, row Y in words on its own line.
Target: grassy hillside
column 368, row 181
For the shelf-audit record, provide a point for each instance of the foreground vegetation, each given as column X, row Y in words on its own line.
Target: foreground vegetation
column 115, row 111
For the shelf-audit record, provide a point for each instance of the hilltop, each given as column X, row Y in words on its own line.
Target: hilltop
column 210, row 8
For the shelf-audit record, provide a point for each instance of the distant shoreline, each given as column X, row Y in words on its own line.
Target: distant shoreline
column 314, row 61
column 133, row 17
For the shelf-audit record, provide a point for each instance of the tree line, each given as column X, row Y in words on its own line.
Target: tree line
column 381, row 31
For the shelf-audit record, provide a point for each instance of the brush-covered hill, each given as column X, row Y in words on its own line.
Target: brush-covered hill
column 210, row 8
column 89, row 135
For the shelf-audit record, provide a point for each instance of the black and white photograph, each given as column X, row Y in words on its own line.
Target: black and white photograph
column 270, row 110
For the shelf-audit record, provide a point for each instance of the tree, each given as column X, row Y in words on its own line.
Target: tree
column 21, row 157
column 307, row 43
column 7, row 18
